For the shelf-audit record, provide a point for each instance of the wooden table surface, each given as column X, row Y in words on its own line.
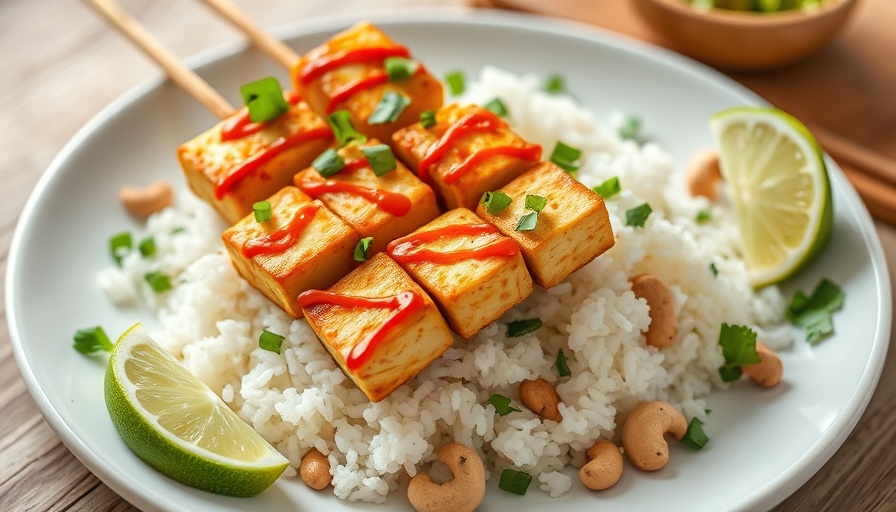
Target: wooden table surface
column 61, row 65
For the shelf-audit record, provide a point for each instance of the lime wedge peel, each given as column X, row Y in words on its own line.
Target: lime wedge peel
column 778, row 184
column 176, row 424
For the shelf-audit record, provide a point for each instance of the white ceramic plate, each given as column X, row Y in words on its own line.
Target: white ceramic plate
column 764, row 444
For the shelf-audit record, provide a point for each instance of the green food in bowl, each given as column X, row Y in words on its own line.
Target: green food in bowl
column 756, row 5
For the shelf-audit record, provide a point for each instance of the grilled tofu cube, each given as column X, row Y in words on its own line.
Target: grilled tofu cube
column 237, row 163
column 347, row 73
column 573, row 228
column 473, row 272
column 383, row 207
column 467, row 152
column 379, row 325
column 303, row 246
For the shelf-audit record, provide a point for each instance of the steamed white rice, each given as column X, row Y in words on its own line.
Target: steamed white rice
column 301, row 399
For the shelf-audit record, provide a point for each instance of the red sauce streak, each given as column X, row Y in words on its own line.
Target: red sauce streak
column 240, row 126
column 481, row 121
column 315, row 68
column 402, row 306
column 530, row 152
column 407, row 249
column 390, row 202
column 265, row 155
column 348, row 90
column 279, row 241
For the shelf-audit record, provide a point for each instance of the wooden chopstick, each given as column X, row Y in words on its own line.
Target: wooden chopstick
column 260, row 38
column 176, row 70
column 861, row 159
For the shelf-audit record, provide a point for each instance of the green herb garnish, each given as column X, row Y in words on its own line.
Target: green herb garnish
column 637, row 216
column 535, row 203
column 389, row 108
column 555, row 84
column 631, row 128
column 514, row 481
column 381, row 158
column 566, row 156
column 562, row 367
column 264, row 99
column 92, row 339
column 262, row 210
column 502, row 405
column 703, row 216
column 496, row 201
column 528, row 222
column 497, row 107
column 362, row 247
column 695, row 438
column 270, row 341
column 341, row 124
column 428, row 118
column 400, row 68
column 457, row 83
column 328, row 163
column 815, row 313
column 119, row 245
column 713, row 269
column 158, row 281
column 147, row 246
column 518, row 328
column 739, row 349
column 608, row 188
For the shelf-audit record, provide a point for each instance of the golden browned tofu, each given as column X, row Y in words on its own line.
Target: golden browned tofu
column 473, row 272
column 572, row 229
column 383, row 207
column 347, row 73
column 237, row 163
column 467, row 152
column 303, row 246
column 379, row 325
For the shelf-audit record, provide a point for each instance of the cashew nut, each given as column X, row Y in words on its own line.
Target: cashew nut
column 663, row 322
column 703, row 174
column 642, row 434
column 143, row 202
column 541, row 398
column 315, row 469
column 462, row 494
column 605, row 467
column 767, row 372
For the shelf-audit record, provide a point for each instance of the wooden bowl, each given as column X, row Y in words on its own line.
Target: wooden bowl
column 739, row 40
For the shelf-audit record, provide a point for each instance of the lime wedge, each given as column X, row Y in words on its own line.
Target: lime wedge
column 175, row 423
column 778, row 184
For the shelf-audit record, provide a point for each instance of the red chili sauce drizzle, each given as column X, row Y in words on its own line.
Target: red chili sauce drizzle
column 239, row 125
column 480, row 121
column 314, row 69
column 390, row 202
column 282, row 239
column 265, row 155
column 407, row 249
column 402, row 306
column 378, row 77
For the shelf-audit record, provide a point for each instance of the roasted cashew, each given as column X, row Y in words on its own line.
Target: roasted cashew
column 642, row 434
column 541, row 398
column 703, row 174
column 462, row 494
column 663, row 322
column 315, row 469
column 144, row 201
column 767, row 372
column 605, row 467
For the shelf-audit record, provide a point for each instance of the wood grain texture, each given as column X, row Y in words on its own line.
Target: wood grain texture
column 62, row 65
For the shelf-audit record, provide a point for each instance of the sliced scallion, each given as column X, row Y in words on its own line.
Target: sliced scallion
column 91, row 339
column 328, row 163
column 518, row 328
column 262, row 211
column 555, row 84
column 381, row 158
column 703, row 216
column 496, row 201
column 400, row 68
column 158, row 281
column 264, row 99
column 341, row 124
column 694, row 438
column 566, row 156
column 270, row 341
column 119, row 245
column 497, row 107
column 515, row 481
column 536, row 203
column 527, row 222
column 608, row 188
column 389, row 108
column 562, row 367
column 637, row 216
column 457, row 83
column 428, row 118
column 631, row 128
column 147, row 246
column 362, row 247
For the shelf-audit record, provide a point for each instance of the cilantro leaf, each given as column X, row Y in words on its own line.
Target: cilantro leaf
column 695, row 438
column 814, row 313
column 739, row 349
column 502, row 405
column 637, row 216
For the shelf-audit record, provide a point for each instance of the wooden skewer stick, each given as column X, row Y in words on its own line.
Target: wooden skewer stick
column 176, row 70
column 273, row 47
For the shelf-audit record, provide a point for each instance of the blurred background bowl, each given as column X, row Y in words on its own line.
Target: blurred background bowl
column 743, row 40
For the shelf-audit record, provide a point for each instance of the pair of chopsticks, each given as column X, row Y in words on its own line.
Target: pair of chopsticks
column 873, row 176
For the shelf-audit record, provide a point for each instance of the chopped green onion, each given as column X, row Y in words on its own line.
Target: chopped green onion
column 496, row 201
column 497, row 107
column 178, row 230
column 362, row 247
column 328, row 163
column 631, row 128
column 555, row 84
column 514, row 481
column 815, row 313
column 428, row 118
column 527, row 222
column 637, row 216
column 562, row 367
column 147, row 246
column 400, row 68
column 536, row 203
column 119, row 245
column 457, row 83
column 341, row 124
column 158, row 281
column 389, row 108
column 703, row 216
column 502, row 405
column 518, row 328
column 262, row 211
column 694, row 438
column 264, row 99
column 381, row 158
column 713, row 269
column 738, row 344
column 270, row 341
column 608, row 188
column 566, row 156
column 92, row 339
